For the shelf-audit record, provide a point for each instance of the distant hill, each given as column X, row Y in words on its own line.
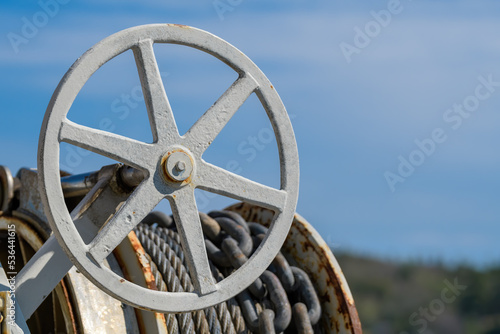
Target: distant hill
column 407, row 298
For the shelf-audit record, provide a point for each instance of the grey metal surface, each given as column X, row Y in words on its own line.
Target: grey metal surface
column 101, row 313
column 132, row 260
column 151, row 158
column 16, row 324
column 50, row 262
column 6, row 188
column 305, row 249
column 81, row 184
column 43, row 272
column 283, row 286
column 28, row 240
column 78, row 185
column 84, row 296
column 30, row 203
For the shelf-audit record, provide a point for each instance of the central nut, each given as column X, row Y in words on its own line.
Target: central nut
column 178, row 166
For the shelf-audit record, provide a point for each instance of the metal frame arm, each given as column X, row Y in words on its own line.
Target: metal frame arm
column 50, row 264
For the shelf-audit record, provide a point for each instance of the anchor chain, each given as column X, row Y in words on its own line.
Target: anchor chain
column 282, row 299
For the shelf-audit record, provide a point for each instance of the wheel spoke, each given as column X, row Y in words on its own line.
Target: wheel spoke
column 223, row 182
column 141, row 202
column 131, row 152
column 188, row 224
column 206, row 129
column 159, row 110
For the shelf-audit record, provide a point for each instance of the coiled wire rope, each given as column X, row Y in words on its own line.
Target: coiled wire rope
column 264, row 307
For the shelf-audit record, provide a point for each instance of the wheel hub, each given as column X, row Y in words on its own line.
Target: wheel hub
column 168, row 178
column 178, row 166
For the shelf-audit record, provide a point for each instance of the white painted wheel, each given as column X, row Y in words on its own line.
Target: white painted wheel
column 173, row 166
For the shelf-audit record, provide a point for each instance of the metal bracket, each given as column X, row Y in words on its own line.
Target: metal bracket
column 13, row 321
column 50, row 264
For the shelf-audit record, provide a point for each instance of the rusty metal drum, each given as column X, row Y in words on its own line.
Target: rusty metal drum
column 306, row 249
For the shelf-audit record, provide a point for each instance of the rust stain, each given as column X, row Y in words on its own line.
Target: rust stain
column 146, row 269
column 141, row 253
column 161, row 318
column 68, row 304
column 346, row 306
column 166, row 177
column 314, row 257
column 148, row 276
column 179, row 25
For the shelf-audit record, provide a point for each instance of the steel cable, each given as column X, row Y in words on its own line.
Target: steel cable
column 216, row 320
column 264, row 307
column 170, row 319
column 185, row 320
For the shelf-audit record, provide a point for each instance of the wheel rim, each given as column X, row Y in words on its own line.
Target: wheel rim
column 56, row 128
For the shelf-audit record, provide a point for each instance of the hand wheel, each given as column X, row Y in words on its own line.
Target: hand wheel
column 173, row 166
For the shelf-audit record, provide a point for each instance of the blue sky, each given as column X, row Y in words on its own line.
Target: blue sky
column 354, row 116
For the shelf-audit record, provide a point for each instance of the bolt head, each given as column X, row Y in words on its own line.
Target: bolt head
column 178, row 166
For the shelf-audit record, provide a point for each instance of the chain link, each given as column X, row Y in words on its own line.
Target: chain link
column 264, row 307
